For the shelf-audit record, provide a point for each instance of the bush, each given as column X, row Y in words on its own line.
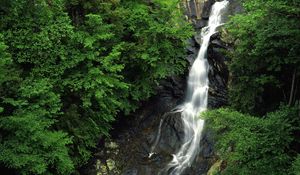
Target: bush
column 252, row 145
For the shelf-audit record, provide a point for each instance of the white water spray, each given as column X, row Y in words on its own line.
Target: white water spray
column 196, row 98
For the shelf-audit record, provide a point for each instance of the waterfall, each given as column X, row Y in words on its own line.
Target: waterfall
column 196, row 96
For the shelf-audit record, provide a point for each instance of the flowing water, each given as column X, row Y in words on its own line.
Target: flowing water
column 196, row 96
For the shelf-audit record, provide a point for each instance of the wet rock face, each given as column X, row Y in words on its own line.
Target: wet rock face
column 138, row 143
column 218, row 75
column 197, row 11
column 127, row 152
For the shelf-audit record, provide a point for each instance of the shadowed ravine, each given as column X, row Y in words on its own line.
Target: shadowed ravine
column 196, row 99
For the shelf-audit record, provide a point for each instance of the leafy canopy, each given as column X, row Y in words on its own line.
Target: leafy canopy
column 68, row 68
column 265, row 55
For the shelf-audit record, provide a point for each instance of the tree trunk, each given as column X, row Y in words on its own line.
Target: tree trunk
column 292, row 88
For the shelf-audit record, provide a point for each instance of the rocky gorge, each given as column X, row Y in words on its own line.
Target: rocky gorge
column 126, row 152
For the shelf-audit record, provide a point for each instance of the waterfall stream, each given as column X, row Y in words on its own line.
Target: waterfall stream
column 196, row 97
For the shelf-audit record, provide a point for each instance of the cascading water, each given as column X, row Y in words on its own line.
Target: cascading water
column 196, row 96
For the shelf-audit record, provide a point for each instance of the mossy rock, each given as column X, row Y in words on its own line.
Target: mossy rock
column 215, row 169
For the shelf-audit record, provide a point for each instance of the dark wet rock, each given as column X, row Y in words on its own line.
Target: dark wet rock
column 172, row 135
column 194, row 46
column 218, row 44
column 235, row 7
column 130, row 172
column 198, row 24
column 218, row 77
column 215, row 36
column 191, row 50
column 198, row 38
column 207, row 8
column 191, row 58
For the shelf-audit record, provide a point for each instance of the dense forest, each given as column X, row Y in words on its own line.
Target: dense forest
column 68, row 69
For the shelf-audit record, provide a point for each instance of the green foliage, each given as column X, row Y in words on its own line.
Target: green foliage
column 27, row 142
column 265, row 55
column 252, row 145
column 67, row 68
column 30, row 147
column 296, row 166
column 154, row 29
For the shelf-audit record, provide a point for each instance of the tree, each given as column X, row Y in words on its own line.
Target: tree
column 265, row 56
